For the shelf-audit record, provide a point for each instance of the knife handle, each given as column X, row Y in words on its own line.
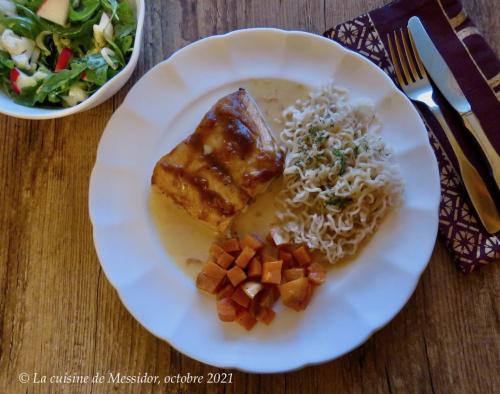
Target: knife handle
column 473, row 182
column 472, row 123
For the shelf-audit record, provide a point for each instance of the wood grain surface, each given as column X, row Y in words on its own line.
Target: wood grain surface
column 59, row 315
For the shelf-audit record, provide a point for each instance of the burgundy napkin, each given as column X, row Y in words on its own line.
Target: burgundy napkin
column 477, row 70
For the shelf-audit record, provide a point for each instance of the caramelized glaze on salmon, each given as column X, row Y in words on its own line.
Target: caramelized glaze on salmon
column 229, row 159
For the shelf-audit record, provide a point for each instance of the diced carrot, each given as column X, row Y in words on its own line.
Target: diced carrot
column 288, row 260
column 225, row 259
column 226, row 309
column 268, row 296
column 296, row 294
column 271, row 272
column 302, row 255
column 245, row 319
column 316, row 273
column 245, row 256
column 241, row 298
column 205, row 283
column 226, row 292
column 254, row 268
column 215, row 250
column 265, row 315
column 231, row 245
column 293, row 273
column 236, row 275
column 252, row 242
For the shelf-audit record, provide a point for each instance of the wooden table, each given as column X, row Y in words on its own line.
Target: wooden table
column 59, row 314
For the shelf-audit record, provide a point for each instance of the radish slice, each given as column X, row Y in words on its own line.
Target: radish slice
column 63, row 59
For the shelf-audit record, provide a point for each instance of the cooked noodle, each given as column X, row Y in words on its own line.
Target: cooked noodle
column 339, row 179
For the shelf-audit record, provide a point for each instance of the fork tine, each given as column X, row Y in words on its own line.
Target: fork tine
column 420, row 66
column 408, row 53
column 395, row 63
column 402, row 58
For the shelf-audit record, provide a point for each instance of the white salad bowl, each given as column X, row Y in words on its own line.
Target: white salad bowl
column 9, row 107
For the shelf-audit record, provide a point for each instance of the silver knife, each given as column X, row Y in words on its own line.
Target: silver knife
column 448, row 85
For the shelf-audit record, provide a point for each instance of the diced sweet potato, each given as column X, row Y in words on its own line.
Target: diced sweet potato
column 293, row 273
column 214, row 271
column 302, row 255
column 316, row 273
column 296, row 294
column 288, row 260
column 226, row 309
column 265, row 315
column 226, row 291
column 245, row 319
column 205, row 283
column 252, row 242
column 268, row 296
column 254, row 268
column 271, row 272
column 270, row 239
column 225, row 260
column 236, row 275
column 215, row 251
column 267, row 255
column 241, row 298
column 245, row 256
column 231, row 245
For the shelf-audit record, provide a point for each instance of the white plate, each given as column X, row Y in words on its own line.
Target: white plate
column 164, row 107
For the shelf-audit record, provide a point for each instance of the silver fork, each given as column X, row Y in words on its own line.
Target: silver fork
column 412, row 78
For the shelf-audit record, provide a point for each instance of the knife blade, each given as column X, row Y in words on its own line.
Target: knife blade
column 437, row 67
column 445, row 81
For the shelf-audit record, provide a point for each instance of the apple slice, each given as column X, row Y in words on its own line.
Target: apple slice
column 55, row 11
column 20, row 81
column 14, row 76
column 63, row 59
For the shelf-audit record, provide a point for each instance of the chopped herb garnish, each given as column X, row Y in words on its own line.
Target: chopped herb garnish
column 341, row 157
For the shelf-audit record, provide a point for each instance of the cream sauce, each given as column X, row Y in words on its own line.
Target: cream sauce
column 183, row 236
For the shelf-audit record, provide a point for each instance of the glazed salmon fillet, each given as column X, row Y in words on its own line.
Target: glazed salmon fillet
column 229, row 159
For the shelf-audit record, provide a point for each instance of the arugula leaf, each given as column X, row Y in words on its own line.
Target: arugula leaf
column 33, row 5
column 84, row 11
column 5, row 61
column 96, row 69
column 125, row 28
column 110, row 6
column 21, row 25
column 75, row 30
column 26, row 97
column 125, row 14
column 58, row 83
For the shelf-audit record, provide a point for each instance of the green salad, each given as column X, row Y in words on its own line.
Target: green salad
column 56, row 53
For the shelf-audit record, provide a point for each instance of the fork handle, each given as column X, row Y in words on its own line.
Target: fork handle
column 472, row 123
column 473, row 182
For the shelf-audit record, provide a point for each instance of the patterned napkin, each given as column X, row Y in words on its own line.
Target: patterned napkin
column 477, row 70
